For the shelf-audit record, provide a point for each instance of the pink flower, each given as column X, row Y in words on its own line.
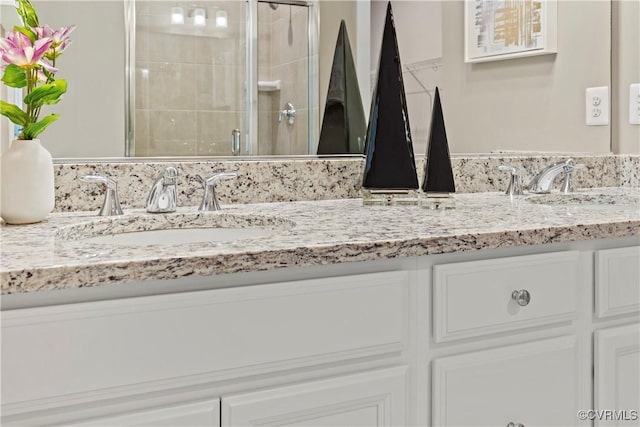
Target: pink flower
column 59, row 37
column 17, row 49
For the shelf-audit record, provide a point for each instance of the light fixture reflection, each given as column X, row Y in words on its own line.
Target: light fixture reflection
column 177, row 15
column 199, row 17
column 221, row 19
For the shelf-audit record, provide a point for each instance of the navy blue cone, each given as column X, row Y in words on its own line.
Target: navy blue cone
column 389, row 149
column 438, row 174
column 343, row 126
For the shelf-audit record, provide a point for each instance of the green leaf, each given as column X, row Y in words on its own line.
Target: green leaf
column 27, row 32
column 49, row 93
column 32, row 130
column 13, row 113
column 27, row 13
column 14, row 76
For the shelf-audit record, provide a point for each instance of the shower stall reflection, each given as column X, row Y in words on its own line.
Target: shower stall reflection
column 200, row 66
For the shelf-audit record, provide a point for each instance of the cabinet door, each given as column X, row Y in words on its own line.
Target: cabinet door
column 374, row 398
column 192, row 414
column 534, row 384
column 617, row 375
column 617, row 279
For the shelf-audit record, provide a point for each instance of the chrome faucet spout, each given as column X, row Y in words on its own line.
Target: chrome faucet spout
column 541, row 183
column 163, row 196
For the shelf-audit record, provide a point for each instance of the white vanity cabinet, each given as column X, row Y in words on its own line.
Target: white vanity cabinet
column 537, row 383
column 617, row 281
column 374, row 398
column 445, row 340
column 206, row 413
column 617, row 374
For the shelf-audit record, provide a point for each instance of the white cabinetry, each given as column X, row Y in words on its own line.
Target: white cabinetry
column 205, row 414
column 617, row 375
column 438, row 340
column 369, row 399
column 617, row 281
column 477, row 298
column 538, row 383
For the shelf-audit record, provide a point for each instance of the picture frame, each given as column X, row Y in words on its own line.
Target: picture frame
column 497, row 29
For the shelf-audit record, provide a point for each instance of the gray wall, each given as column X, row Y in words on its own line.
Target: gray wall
column 626, row 70
column 92, row 122
column 528, row 104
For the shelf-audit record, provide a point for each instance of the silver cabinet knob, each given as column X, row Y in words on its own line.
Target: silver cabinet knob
column 512, row 424
column 522, row 297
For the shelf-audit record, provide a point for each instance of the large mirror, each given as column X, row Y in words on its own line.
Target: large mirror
column 189, row 73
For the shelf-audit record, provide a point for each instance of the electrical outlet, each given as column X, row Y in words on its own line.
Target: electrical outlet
column 634, row 104
column 597, row 103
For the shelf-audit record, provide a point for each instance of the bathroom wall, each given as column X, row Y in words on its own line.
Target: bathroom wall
column 190, row 90
column 283, row 55
column 527, row 104
column 92, row 122
column 535, row 103
column 626, row 70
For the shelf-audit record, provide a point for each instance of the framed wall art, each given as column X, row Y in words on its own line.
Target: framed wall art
column 506, row 29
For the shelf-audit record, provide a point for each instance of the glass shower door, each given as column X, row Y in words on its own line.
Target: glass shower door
column 283, row 78
column 190, row 73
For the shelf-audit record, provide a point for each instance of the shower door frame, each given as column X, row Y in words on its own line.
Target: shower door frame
column 251, row 127
column 313, row 26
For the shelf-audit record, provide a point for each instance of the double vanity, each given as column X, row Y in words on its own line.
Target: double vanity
column 504, row 310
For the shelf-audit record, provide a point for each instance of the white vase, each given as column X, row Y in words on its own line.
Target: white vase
column 26, row 183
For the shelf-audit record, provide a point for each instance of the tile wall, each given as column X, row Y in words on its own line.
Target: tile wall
column 283, row 54
column 189, row 80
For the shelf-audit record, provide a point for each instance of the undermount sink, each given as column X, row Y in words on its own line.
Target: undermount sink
column 614, row 198
column 174, row 229
column 178, row 236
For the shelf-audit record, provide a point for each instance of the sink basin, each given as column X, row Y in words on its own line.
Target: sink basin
column 174, row 229
column 178, row 236
column 615, row 198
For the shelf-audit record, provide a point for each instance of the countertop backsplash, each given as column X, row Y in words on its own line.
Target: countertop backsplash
column 278, row 180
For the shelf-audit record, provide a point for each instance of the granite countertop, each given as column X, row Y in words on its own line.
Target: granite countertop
column 52, row 255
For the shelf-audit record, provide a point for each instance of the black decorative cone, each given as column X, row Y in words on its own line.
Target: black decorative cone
column 390, row 163
column 343, row 127
column 438, row 175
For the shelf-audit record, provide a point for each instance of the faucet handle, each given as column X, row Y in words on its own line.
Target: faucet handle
column 210, row 200
column 515, row 189
column 567, row 185
column 170, row 175
column 111, row 204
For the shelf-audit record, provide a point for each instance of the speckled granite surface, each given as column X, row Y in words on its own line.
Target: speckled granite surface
column 52, row 254
column 257, row 181
column 313, row 179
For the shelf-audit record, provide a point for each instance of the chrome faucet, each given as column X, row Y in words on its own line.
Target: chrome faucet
column 111, row 204
column 163, row 196
column 210, row 200
column 541, row 183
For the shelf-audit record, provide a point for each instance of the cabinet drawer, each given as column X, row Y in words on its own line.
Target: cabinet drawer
column 476, row 298
column 617, row 281
column 193, row 337
column 200, row 414
column 373, row 398
column 534, row 384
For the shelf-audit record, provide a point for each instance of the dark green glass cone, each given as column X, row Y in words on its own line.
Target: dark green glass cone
column 389, row 149
column 343, row 126
column 438, row 174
